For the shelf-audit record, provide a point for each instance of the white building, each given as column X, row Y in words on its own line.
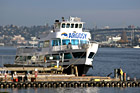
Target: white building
column 114, row 39
column 19, row 39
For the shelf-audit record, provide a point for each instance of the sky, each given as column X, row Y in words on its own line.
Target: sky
column 112, row 13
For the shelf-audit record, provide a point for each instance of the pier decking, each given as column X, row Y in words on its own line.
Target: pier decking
column 30, row 68
column 68, row 81
column 41, row 78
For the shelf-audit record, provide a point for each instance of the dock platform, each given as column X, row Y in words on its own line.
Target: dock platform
column 56, row 78
column 53, row 81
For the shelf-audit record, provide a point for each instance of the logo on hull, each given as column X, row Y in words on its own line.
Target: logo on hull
column 64, row 35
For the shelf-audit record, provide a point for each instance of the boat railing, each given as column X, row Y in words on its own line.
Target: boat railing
column 27, row 62
column 21, row 50
column 67, row 47
column 94, row 42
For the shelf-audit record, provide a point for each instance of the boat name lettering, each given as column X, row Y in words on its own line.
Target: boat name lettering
column 77, row 35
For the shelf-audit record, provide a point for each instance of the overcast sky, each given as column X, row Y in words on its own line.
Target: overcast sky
column 113, row 13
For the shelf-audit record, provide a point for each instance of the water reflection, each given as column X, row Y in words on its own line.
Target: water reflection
column 92, row 90
column 78, row 90
column 73, row 90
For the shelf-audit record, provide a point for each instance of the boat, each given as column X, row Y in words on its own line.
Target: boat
column 136, row 46
column 67, row 45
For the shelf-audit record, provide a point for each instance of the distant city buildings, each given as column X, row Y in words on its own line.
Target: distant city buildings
column 19, row 39
column 12, row 35
column 117, row 37
column 114, row 39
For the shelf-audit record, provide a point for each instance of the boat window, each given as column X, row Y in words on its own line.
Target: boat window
column 47, row 57
column 74, row 42
column 65, row 41
column 29, row 57
column 18, row 58
column 41, row 58
column 76, row 25
column 40, row 45
column 83, row 42
column 72, row 25
column 79, row 54
column 46, row 43
column 91, row 55
column 80, row 25
column 56, row 56
column 63, row 25
column 57, row 25
column 68, row 25
column 67, row 56
column 56, row 42
column 22, row 58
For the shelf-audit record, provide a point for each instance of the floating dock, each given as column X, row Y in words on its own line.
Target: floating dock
column 56, row 78
column 54, row 84
column 53, row 81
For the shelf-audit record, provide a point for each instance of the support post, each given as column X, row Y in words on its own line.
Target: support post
column 115, row 73
column 72, row 69
column 76, row 71
column 124, row 76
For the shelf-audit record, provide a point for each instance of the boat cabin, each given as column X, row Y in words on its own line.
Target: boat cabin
column 65, row 33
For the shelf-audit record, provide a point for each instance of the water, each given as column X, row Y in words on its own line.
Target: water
column 106, row 60
column 73, row 90
column 7, row 55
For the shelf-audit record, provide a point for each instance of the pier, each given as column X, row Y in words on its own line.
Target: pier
column 54, row 77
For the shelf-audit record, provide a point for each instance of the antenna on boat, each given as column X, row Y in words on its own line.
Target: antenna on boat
column 34, row 41
column 63, row 19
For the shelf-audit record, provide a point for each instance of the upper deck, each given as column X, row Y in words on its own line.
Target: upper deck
column 65, row 32
column 68, row 29
column 73, row 24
